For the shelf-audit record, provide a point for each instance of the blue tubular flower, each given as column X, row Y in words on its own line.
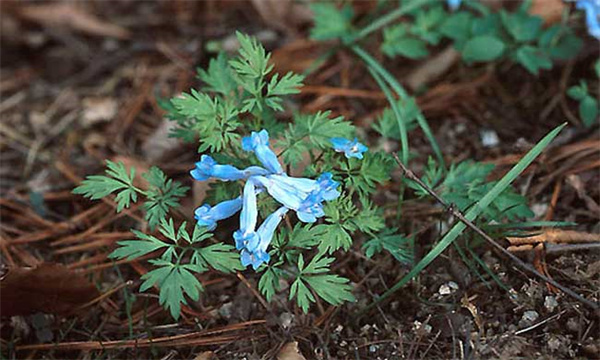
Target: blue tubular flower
column 305, row 196
column 301, row 184
column 453, row 4
column 259, row 144
column 328, row 187
column 246, row 236
column 311, row 208
column 208, row 168
column 284, row 193
column 592, row 13
column 259, row 255
column 208, row 216
column 349, row 148
column 256, row 259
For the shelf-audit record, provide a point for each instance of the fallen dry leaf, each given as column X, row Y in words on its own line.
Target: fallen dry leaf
column 283, row 15
column 290, row 351
column 48, row 288
column 71, row 16
column 549, row 10
column 556, row 236
column 433, row 68
column 206, row 355
column 98, row 109
column 157, row 145
column 140, row 168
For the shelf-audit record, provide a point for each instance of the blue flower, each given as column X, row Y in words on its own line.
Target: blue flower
column 349, row 148
column 592, row 13
column 208, row 216
column 208, row 168
column 282, row 191
column 259, row 255
column 259, row 144
column 453, row 4
column 256, row 259
column 328, row 187
column 246, row 236
column 305, row 196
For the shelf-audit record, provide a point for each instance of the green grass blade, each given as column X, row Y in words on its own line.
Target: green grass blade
column 390, row 17
column 487, row 268
column 395, row 85
column 531, row 224
column 472, row 214
column 396, row 110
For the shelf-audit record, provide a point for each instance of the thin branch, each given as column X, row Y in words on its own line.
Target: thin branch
column 456, row 213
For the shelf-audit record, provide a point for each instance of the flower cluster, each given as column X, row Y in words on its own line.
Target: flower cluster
column 592, row 15
column 349, row 148
column 453, row 4
column 302, row 195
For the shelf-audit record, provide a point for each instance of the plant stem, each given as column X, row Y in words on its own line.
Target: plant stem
column 388, row 18
column 395, row 85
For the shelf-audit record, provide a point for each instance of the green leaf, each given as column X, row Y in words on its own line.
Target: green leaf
column 432, row 177
column 387, row 123
column 303, row 296
column 288, row 84
column 195, row 105
column 200, row 234
column 473, row 213
column 488, row 25
column 465, row 185
column 483, row 48
column 397, row 42
column 98, row 186
column 162, row 195
column 304, row 236
column 560, row 42
column 521, row 26
column 331, row 288
column 588, row 111
column 218, row 76
column 253, row 62
column 533, row 59
column 330, row 22
column 364, row 175
column 269, row 282
column 167, row 228
column 368, row 219
column 427, row 22
column 132, row 249
column 578, row 92
column 220, row 256
column 174, row 281
column 457, row 26
column 334, row 237
column 398, row 245
column 314, row 131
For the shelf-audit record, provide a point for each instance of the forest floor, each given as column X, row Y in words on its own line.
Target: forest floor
column 79, row 85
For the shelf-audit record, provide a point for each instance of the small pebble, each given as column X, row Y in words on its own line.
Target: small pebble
column 419, row 326
column 572, row 325
column 448, row 288
column 286, row 319
column 550, row 303
column 529, row 317
column 226, row 309
column 489, row 138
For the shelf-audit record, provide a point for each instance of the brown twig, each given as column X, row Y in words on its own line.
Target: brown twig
column 456, row 213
